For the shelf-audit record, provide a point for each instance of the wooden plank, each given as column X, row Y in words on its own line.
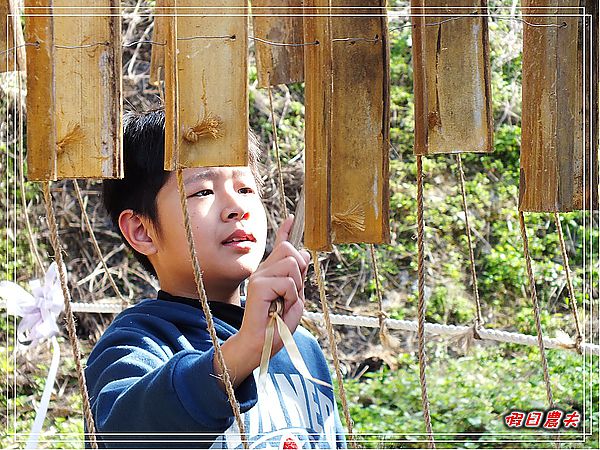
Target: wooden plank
column 172, row 124
column 360, row 117
column 278, row 64
column 453, row 103
column 157, row 56
column 88, row 89
column 317, row 91
column 207, row 88
column 41, row 142
column 553, row 148
column 13, row 59
column 592, row 82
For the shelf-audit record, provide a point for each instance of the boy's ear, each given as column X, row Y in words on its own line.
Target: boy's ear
column 138, row 232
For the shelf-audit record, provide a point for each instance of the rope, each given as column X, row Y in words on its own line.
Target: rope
column 276, row 145
column 381, row 315
column 88, row 224
column 87, row 410
column 478, row 319
column 452, row 331
column 433, row 329
column 30, row 235
column 331, row 335
column 421, row 306
column 225, row 377
column 536, row 310
column 573, row 301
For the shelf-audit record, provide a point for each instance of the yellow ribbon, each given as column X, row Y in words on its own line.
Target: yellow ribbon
column 288, row 343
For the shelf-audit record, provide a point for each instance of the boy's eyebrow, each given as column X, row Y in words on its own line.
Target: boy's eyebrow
column 200, row 176
column 210, row 173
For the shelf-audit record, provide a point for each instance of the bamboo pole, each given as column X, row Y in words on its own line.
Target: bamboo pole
column 554, row 150
column 318, row 86
column 360, row 117
column 278, row 64
column 206, row 87
column 451, row 72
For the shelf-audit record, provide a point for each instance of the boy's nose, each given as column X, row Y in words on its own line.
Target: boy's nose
column 236, row 212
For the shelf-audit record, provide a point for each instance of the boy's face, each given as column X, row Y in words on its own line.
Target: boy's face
column 229, row 227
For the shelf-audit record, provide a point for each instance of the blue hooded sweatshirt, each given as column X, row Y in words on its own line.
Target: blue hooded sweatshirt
column 151, row 385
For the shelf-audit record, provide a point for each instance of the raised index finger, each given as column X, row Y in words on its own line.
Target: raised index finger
column 284, row 230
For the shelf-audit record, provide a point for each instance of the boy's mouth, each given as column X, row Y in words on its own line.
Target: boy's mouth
column 238, row 236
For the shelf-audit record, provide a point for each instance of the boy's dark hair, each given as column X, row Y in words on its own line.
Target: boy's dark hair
column 143, row 162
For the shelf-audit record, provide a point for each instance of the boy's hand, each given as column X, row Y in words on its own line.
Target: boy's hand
column 282, row 274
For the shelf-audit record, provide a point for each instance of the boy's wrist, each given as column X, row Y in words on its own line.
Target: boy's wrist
column 241, row 358
column 250, row 345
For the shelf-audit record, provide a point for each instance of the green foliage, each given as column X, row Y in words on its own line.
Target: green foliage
column 468, row 397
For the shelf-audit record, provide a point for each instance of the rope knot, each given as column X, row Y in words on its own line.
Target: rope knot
column 75, row 134
column 210, row 126
column 352, row 220
column 476, row 328
column 382, row 316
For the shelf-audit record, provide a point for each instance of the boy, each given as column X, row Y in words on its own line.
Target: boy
column 152, row 378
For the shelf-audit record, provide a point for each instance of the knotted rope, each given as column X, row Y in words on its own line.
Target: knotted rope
column 333, row 344
column 421, row 305
column 573, row 300
column 478, row 318
column 87, row 410
column 210, row 126
column 536, row 310
column 30, row 235
column 275, row 314
column 284, row 210
column 384, row 337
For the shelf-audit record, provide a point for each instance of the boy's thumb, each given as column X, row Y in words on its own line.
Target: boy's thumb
column 284, row 230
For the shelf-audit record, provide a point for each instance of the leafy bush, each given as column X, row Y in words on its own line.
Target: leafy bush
column 469, row 396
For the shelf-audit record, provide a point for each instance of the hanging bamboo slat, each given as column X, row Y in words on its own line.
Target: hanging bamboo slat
column 553, row 148
column 451, row 72
column 41, row 141
column 87, row 89
column 283, row 24
column 592, row 81
column 206, row 92
column 360, row 114
column 11, row 38
column 74, row 98
column 318, row 85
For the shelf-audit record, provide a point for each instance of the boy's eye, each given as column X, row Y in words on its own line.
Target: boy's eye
column 246, row 190
column 203, row 193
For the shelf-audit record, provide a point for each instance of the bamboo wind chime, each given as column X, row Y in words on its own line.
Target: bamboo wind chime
column 206, row 87
column 559, row 148
column 450, row 55
column 159, row 41
column 554, row 149
column 74, row 124
column 347, row 123
column 559, row 153
column 74, row 93
column 278, row 64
